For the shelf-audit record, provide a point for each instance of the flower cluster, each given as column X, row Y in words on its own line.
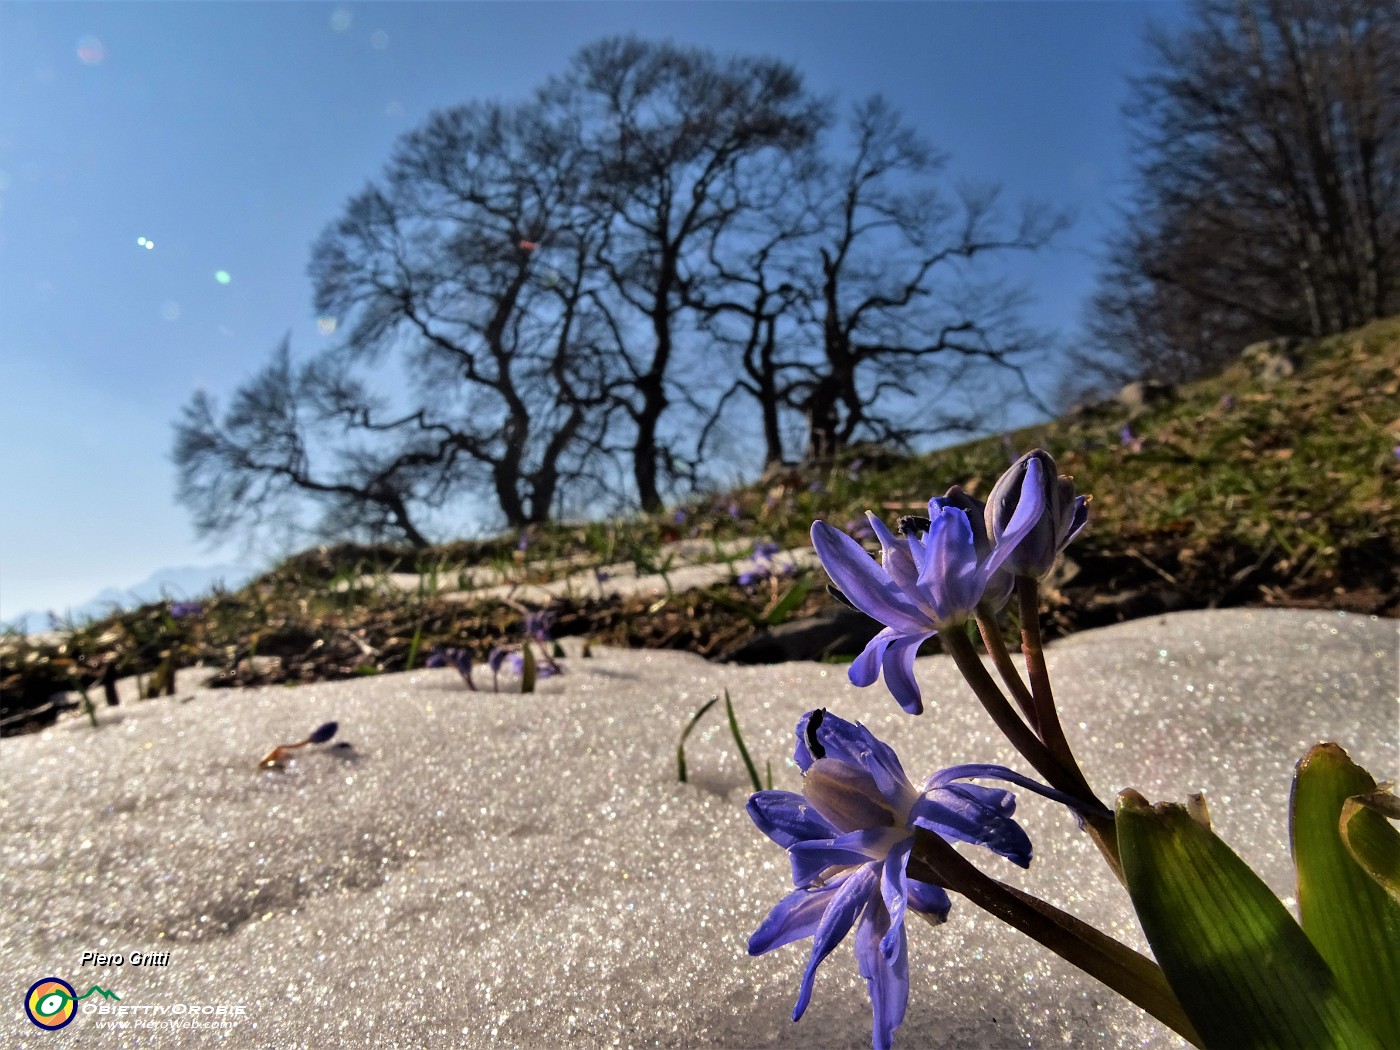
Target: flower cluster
column 851, row 833
column 935, row 575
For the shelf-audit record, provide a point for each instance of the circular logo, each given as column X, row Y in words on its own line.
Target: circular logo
column 51, row 1003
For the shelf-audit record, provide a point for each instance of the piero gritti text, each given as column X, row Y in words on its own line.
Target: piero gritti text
column 134, row 959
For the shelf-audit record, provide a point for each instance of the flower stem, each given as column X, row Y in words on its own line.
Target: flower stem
column 1129, row 973
column 993, row 639
column 1047, row 718
column 1101, row 829
column 1069, row 780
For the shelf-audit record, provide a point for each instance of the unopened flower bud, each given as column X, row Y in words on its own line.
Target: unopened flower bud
column 1062, row 513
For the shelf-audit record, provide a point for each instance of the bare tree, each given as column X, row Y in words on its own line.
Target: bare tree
column 251, row 466
column 1268, row 197
column 474, row 261
column 673, row 135
column 900, row 307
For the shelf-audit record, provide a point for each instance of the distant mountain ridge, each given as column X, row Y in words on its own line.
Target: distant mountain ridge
column 181, row 582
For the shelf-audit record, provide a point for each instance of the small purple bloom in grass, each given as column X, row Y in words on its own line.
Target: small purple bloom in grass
column 1396, row 450
column 680, row 516
column 459, row 660
column 1227, row 402
column 1061, row 515
column 734, row 510
column 323, row 733
column 859, row 529
column 849, row 836
column 748, row 579
column 765, row 550
column 182, row 609
column 524, row 542
column 923, row 585
column 1128, row 439
column 538, row 625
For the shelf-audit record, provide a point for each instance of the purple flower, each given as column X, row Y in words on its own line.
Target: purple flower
column 538, row 625
column 1128, row 439
column 1060, row 517
column 733, row 510
column 459, row 660
column 924, row 584
column 859, row 528
column 680, row 516
column 849, row 836
column 322, row 733
column 179, row 610
column 524, row 542
column 747, row 579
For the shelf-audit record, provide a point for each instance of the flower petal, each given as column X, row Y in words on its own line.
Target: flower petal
column 787, row 818
column 949, row 580
column 863, row 581
column 896, row 557
column 865, row 668
column 852, row 896
column 894, row 889
column 811, row 859
column 928, row 900
column 898, row 665
column 975, row 814
column 886, row 973
column 794, row 918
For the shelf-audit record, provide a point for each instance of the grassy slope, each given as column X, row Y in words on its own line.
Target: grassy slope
column 1281, row 495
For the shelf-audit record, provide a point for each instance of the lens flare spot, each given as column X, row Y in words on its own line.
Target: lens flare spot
column 379, row 40
column 145, row 242
column 325, row 325
column 222, row 276
column 341, row 19
column 170, row 310
column 91, row 51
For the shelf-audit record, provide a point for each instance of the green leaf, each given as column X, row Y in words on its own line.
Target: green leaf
column 1244, row 971
column 413, row 648
column 788, row 603
column 528, row 671
column 1345, row 913
column 680, row 746
column 739, row 740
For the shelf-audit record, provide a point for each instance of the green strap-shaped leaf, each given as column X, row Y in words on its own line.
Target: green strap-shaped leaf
column 1345, row 913
column 528, row 670
column 1246, row 974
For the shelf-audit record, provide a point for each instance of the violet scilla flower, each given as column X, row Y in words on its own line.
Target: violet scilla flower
column 947, row 569
column 849, row 837
column 538, row 628
column 459, row 660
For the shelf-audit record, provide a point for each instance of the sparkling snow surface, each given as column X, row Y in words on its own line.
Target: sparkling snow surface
column 524, row 871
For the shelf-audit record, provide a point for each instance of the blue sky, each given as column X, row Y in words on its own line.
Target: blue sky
column 228, row 134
